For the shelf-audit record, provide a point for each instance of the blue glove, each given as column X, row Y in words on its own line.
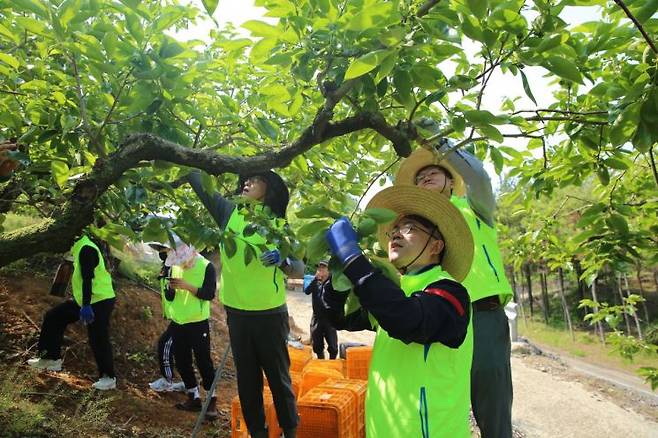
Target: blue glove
column 343, row 240
column 270, row 258
column 86, row 314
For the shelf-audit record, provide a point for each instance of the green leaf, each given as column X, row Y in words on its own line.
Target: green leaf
column 313, row 228
column 478, row 7
column 483, row 117
column 366, row 63
column 12, row 36
column 266, row 128
column 646, row 11
column 9, row 60
column 249, row 254
column 367, row 226
column 564, row 68
column 380, row 215
column 491, row 133
column 604, row 176
column 317, row 247
column 210, row 6
column 60, row 171
column 617, row 222
column 229, row 246
column 340, row 282
column 497, row 159
column 316, row 211
column 261, row 29
column 616, row 163
column 526, row 87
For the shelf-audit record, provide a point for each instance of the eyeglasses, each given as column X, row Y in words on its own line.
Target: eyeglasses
column 406, row 230
column 430, row 173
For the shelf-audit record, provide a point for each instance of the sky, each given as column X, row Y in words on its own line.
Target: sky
column 500, row 86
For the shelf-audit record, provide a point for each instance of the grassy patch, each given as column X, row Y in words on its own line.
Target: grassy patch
column 27, row 411
column 586, row 346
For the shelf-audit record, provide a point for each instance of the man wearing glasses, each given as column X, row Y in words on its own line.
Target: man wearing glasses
column 418, row 380
column 460, row 177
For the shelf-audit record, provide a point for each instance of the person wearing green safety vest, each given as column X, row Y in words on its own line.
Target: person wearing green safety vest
column 461, row 177
column 92, row 304
column 189, row 290
column 254, row 296
column 165, row 343
column 419, row 375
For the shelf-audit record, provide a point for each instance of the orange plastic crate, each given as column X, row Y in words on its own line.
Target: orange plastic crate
column 336, row 364
column 238, row 425
column 358, row 362
column 327, row 413
column 312, row 377
column 299, row 357
column 295, row 378
column 358, row 388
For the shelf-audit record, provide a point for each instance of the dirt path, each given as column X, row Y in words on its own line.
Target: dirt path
column 551, row 398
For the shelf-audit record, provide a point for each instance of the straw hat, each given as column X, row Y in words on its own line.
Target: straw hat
column 421, row 158
column 408, row 200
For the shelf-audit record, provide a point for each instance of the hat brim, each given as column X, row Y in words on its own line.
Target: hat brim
column 158, row 246
column 408, row 200
column 421, row 158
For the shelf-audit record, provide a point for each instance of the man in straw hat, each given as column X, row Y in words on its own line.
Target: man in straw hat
column 461, row 178
column 418, row 382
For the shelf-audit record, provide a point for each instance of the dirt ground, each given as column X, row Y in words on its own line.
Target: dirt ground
column 551, row 399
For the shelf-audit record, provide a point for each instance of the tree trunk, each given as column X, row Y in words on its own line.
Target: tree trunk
column 565, row 308
column 513, row 277
column 528, row 279
column 621, row 295
column 598, row 325
column 544, row 292
column 644, row 303
column 633, row 312
column 581, row 286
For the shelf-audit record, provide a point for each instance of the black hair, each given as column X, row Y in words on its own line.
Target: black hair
column 276, row 193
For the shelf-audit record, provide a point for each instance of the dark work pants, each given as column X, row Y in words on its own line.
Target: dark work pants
column 193, row 337
column 322, row 330
column 259, row 343
column 59, row 317
column 166, row 353
column 491, row 375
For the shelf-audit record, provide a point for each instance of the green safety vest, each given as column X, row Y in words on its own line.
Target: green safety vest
column 252, row 286
column 101, row 284
column 186, row 307
column 417, row 390
column 164, row 283
column 487, row 275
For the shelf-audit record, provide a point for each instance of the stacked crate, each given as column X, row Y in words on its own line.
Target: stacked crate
column 357, row 360
column 238, row 425
column 327, row 413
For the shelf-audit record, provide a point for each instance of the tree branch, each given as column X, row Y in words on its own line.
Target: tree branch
column 540, row 118
column 653, row 165
column 57, row 235
column 425, row 7
column 644, row 33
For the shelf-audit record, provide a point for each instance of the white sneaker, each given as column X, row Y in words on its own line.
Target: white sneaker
column 45, row 364
column 105, row 383
column 178, row 386
column 161, row 385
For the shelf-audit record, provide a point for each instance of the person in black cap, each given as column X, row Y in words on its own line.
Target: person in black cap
column 321, row 328
column 254, row 295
